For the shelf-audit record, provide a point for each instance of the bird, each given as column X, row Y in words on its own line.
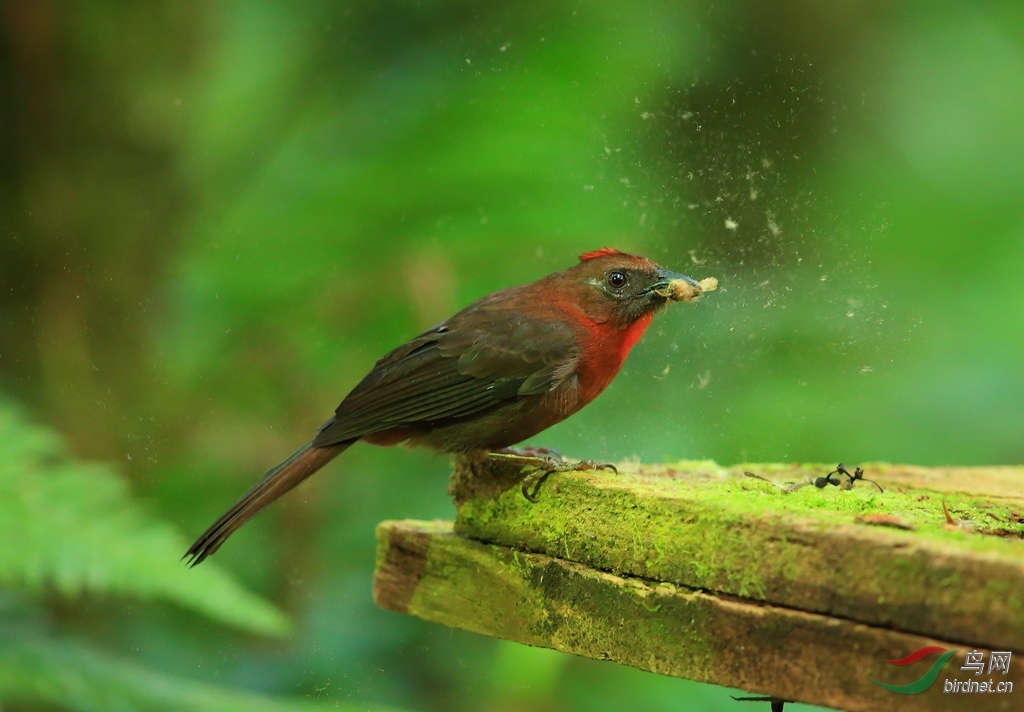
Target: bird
column 498, row 372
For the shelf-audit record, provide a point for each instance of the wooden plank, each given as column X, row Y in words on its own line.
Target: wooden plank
column 1003, row 485
column 426, row 570
column 711, row 528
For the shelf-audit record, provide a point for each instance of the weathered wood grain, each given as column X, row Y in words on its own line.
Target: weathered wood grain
column 712, row 528
column 426, row 570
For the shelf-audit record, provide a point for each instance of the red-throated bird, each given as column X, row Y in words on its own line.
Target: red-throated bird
column 500, row 371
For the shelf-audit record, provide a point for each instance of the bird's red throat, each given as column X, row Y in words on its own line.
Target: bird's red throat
column 633, row 332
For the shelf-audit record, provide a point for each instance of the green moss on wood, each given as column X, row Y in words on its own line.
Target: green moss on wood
column 704, row 526
column 659, row 626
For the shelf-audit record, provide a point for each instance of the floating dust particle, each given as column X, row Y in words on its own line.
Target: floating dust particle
column 703, row 379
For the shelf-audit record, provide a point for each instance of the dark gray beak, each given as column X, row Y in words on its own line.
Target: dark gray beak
column 666, row 277
column 675, row 287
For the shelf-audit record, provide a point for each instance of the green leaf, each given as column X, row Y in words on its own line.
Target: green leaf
column 78, row 678
column 74, row 526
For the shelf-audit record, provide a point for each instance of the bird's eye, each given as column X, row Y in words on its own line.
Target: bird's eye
column 616, row 280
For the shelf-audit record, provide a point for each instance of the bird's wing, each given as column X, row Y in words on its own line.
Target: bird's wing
column 481, row 358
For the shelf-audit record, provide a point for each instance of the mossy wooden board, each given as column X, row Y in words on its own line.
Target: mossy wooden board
column 714, row 529
column 426, row 570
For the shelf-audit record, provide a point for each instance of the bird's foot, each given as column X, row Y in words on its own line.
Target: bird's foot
column 539, row 469
column 590, row 465
column 532, row 483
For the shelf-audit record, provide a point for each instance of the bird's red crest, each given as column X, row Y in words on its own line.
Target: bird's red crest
column 600, row 253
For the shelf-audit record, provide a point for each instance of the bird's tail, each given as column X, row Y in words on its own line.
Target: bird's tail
column 303, row 463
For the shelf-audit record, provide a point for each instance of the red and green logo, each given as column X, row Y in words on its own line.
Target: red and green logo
column 926, row 680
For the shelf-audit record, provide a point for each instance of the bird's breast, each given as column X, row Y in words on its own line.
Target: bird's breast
column 605, row 351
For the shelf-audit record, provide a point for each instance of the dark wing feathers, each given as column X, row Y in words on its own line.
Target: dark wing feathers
column 547, row 378
column 474, row 362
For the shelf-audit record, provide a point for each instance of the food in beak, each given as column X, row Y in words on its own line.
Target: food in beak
column 679, row 290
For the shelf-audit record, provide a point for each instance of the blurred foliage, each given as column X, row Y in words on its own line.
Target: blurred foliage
column 73, row 677
column 72, row 527
column 213, row 218
column 70, row 530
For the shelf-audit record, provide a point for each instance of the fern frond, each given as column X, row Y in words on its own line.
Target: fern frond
column 72, row 676
column 74, row 526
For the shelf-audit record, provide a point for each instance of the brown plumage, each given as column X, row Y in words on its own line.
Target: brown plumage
column 498, row 372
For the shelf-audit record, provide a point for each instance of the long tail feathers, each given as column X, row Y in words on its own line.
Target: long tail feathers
column 303, row 463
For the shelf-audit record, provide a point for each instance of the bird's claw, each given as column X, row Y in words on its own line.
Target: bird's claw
column 539, row 468
column 532, row 483
column 591, row 465
column 549, row 466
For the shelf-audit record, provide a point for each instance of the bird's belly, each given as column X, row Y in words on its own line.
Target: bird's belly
column 502, row 427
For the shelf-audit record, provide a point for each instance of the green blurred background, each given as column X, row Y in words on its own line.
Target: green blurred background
column 215, row 216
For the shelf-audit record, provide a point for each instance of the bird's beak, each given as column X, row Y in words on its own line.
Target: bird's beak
column 676, row 287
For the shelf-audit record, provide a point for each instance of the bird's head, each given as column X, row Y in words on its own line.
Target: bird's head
column 615, row 287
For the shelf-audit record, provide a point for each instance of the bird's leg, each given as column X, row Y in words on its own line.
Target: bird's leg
column 535, row 451
column 548, row 463
column 538, row 469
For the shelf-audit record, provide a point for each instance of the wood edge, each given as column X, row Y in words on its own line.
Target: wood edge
column 781, row 673
column 401, row 559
